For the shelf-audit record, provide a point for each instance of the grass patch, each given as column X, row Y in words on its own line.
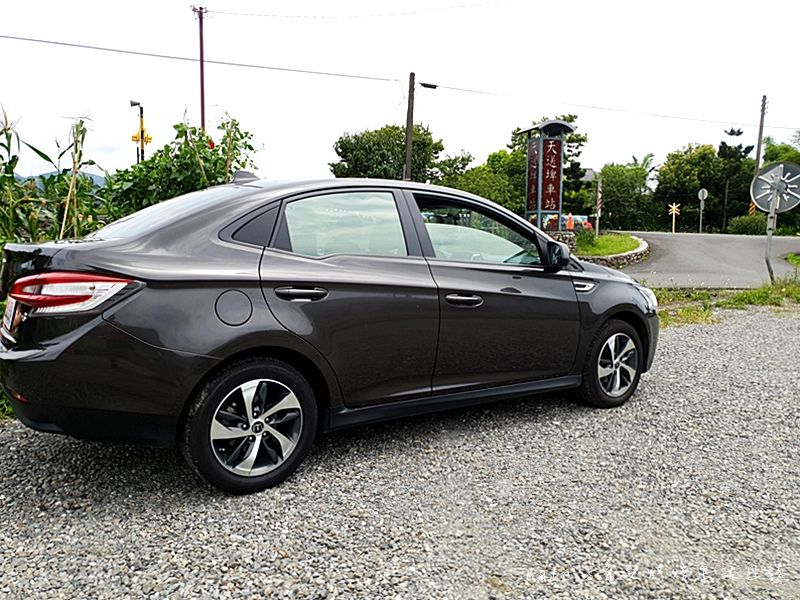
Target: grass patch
column 703, row 296
column 673, row 294
column 683, row 307
column 6, row 411
column 764, row 296
column 694, row 314
column 606, row 245
column 794, row 259
column 685, row 315
column 669, row 295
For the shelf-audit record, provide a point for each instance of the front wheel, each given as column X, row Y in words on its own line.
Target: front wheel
column 250, row 426
column 613, row 366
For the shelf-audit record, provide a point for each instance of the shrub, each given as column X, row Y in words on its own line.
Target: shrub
column 585, row 238
column 191, row 162
column 747, row 225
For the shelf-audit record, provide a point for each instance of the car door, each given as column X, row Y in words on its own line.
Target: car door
column 342, row 274
column 504, row 318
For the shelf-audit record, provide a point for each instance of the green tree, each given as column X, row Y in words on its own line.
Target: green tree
column 451, row 169
column 732, row 158
column 191, row 162
column 646, row 162
column 774, row 152
column 510, row 169
column 488, row 184
column 686, row 171
column 626, row 197
column 382, row 154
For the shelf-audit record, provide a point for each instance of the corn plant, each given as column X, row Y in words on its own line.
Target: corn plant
column 67, row 194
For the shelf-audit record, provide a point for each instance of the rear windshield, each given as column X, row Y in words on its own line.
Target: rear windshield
column 165, row 212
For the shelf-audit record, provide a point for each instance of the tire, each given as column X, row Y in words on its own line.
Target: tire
column 250, row 426
column 613, row 366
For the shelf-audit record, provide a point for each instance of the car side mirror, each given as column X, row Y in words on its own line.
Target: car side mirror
column 558, row 256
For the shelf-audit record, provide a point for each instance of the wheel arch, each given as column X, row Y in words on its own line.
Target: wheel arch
column 637, row 322
column 326, row 392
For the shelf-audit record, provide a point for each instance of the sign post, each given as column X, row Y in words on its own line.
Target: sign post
column 775, row 189
column 702, row 194
column 599, row 205
column 674, row 209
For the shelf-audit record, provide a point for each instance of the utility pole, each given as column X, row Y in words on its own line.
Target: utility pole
column 760, row 133
column 409, row 127
column 752, row 210
column 200, row 11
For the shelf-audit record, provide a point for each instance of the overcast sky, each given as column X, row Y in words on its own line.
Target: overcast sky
column 641, row 76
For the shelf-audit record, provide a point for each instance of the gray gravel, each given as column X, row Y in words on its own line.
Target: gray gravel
column 688, row 491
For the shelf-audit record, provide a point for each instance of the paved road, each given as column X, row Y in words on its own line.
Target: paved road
column 695, row 260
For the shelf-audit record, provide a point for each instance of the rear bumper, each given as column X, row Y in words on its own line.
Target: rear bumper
column 99, row 425
column 33, row 418
column 107, row 386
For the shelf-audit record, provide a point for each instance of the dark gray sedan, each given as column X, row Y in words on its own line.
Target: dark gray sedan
column 239, row 321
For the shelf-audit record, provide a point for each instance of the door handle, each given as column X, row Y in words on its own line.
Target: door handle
column 464, row 300
column 298, row 293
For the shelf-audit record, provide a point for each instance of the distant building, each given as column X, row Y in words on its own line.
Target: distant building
column 590, row 175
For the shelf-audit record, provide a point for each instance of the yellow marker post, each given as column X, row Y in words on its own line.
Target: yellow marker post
column 140, row 137
column 674, row 209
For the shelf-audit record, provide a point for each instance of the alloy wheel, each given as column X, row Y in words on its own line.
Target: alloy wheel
column 256, row 427
column 617, row 365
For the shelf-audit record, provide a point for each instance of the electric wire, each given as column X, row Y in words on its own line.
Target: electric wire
column 196, row 60
column 368, row 16
column 360, row 77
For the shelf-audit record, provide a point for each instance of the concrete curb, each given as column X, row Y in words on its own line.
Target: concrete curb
column 617, row 261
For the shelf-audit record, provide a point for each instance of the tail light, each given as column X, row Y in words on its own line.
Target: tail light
column 62, row 292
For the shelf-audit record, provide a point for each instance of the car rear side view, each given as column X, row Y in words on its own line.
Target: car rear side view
column 240, row 321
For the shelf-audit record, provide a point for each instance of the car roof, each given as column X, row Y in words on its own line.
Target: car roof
column 315, row 184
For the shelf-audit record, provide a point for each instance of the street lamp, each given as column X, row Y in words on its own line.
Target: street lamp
column 140, row 136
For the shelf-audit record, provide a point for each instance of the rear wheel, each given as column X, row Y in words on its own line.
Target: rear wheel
column 250, row 426
column 613, row 367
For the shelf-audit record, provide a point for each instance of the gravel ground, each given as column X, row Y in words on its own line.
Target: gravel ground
column 688, row 491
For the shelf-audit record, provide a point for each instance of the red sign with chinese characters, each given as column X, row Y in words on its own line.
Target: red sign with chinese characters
column 532, row 195
column 551, row 175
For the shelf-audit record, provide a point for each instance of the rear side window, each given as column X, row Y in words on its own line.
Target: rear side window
column 155, row 216
column 350, row 223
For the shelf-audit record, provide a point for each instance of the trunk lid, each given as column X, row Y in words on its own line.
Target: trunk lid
column 20, row 260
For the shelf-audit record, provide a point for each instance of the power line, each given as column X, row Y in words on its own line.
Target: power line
column 369, row 16
column 185, row 59
column 630, row 112
column 434, row 86
column 361, row 77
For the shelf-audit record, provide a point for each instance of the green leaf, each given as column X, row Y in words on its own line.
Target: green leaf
column 41, row 154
